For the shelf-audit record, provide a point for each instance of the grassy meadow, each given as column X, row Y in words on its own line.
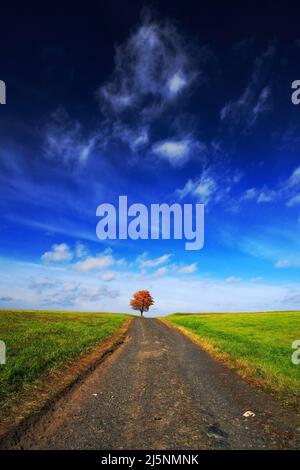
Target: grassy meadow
column 257, row 345
column 38, row 342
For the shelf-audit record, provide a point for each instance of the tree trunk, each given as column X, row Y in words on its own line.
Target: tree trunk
column 141, row 313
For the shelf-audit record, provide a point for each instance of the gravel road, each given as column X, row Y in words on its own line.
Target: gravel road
column 160, row 391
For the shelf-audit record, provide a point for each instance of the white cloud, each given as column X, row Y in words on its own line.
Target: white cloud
column 187, row 269
column 143, row 262
column 256, row 279
column 59, row 252
column 204, row 188
column 65, row 141
column 140, row 140
column 242, row 114
column 287, row 190
column 160, row 272
column 176, row 152
column 261, row 196
column 294, row 201
column 282, row 263
column 108, row 276
column 137, row 138
column 94, row 294
column 249, row 194
column 288, row 262
column 70, row 287
column 151, row 69
column 212, row 186
column 176, row 83
column 81, row 250
column 266, row 196
column 294, row 179
column 42, row 283
column 233, row 279
column 95, row 262
column 197, row 295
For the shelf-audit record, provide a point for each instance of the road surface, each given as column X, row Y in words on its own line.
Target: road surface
column 160, row 391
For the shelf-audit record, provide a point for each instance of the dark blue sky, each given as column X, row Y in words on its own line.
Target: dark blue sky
column 180, row 102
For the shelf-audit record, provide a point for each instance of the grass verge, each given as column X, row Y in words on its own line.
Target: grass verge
column 257, row 345
column 40, row 345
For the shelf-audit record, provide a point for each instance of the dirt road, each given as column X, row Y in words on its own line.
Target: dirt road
column 160, row 391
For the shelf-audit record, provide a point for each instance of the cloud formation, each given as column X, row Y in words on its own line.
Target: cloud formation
column 242, row 114
column 64, row 140
column 108, row 276
column 287, row 191
column 210, row 187
column 187, row 269
column 153, row 71
column 58, row 252
column 178, row 151
column 152, row 68
column 92, row 263
column 143, row 262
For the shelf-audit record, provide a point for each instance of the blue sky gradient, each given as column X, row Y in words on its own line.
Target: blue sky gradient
column 160, row 110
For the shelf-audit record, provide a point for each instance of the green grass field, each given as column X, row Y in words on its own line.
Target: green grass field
column 257, row 345
column 38, row 342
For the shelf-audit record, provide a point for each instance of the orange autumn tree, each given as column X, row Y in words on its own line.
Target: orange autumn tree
column 142, row 301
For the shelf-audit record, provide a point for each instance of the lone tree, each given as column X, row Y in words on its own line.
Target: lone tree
column 142, row 301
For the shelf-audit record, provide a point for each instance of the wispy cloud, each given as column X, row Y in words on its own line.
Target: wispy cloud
column 233, row 279
column 161, row 272
column 144, row 262
column 294, row 179
column 97, row 293
column 242, row 114
column 187, row 269
column 163, row 265
column 282, row 263
column 77, row 295
column 67, row 288
column 204, row 188
column 81, row 251
column 136, row 137
column 64, row 140
column 293, row 262
column 294, row 201
column 108, row 276
column 42, row 283
column 287, row 191
column 210, row 186
column 152, row 68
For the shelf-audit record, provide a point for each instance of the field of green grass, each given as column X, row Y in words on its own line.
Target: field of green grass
column 38, row 342
column 257, row 345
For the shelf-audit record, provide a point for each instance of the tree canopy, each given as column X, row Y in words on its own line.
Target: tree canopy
column 142, row 301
